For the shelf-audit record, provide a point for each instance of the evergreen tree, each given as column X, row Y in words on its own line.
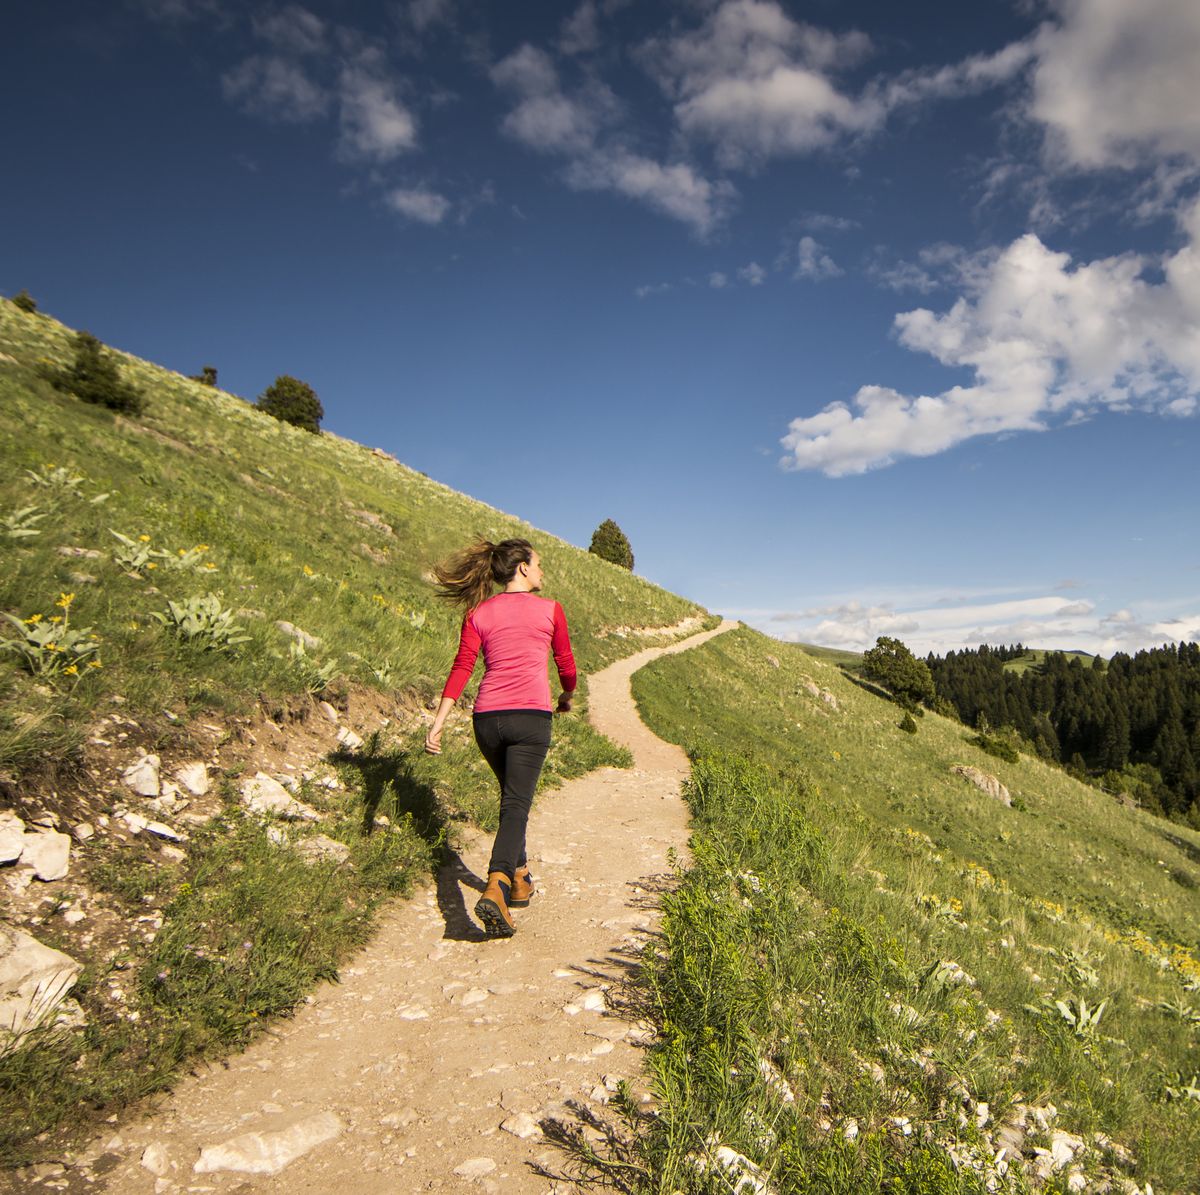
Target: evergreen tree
column 610, row 543
column 207, row 375
column 95, row 377
column 892, row 665
column 24, row 301
column 293, row 401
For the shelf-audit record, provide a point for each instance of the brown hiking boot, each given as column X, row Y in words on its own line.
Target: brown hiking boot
column 492, row 907
column 522, row 889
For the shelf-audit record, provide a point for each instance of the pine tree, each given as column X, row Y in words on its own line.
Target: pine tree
column 24, row 301
column 610, row 543
column 95, row 377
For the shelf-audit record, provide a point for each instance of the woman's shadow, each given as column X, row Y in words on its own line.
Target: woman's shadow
column 388, row 779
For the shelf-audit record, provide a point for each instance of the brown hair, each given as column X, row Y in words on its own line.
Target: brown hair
column 467, row 577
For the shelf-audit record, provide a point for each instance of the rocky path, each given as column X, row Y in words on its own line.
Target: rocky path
column 430, row 1065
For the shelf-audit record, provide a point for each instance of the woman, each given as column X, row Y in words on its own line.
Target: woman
column 516, row 630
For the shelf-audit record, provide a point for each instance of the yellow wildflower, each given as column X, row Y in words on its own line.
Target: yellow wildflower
column 71, row 670
column 56, row 619
column 210, row 564
column 95, row 664
column 65, row 600
column 33, row 620
column 307, row 571
column 152, row 565
column 145, row 539
column 202, row 547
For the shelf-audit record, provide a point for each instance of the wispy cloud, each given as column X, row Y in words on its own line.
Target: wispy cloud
column 419, row 204
column 812, row 262
column 752, row 274
column 275, row 88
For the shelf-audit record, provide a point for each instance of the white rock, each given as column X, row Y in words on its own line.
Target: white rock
column 307, row 641
column 321, row 846
column 173, row 853
column 48, row 853
column 194, row 778
column 156, row 1159
column 159, row 830
column 135, row 821
column 143, row 777
column 474, row 996
column 475, row 1168
column 523, row 1125
column 593, row 1000
column 12, row 837
column 348, row 738
column 84, row 831
column 34, row 982
column 269, row 1153
column 984, row 782
column 264, row 794
column 74, row 916
column 328, row 711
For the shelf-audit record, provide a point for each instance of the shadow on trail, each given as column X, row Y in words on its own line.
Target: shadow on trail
column 452, row 877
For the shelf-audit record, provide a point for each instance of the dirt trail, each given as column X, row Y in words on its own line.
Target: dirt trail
column 435, row 1036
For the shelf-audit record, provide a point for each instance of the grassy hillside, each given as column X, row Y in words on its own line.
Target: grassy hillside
column 815, row 1015
column 105, row 521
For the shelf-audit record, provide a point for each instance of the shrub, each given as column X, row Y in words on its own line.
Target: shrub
column 24, row 301
column 998, row 746
column 610, row 543
column 292, row 401
column 206, row 377
column 907, row 724
column 95, row 377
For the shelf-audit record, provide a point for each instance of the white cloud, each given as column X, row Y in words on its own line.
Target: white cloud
column 424, row 206
column 1042, row 621
column 758, row 84
column 581, row 30
column 424, row 14
column 813, row 262
column 674, row 189
column 653, row 288
column 1115, row 82
column 272, row 87
column 937, row 265
column 1047, row 341
column 752, row 274
column 375, row 125
column 292, row 30
column 717, row 280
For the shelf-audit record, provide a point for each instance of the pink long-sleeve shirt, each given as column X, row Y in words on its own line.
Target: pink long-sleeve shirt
column 516, row 631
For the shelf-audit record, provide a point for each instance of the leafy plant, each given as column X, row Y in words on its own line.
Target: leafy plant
column 20, row 524
column 24, row 301
column 201, row 622
column 48, row 646
column 57, row 478
column 189, row 560
column 136, row 555
column 1182, row 1087
column 314, row 677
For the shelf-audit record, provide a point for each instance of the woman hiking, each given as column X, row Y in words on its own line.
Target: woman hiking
column 516, row 630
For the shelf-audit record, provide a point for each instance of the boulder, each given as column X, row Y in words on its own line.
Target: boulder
column 269, row 1153
column 34, row 982
column 193, row 777
column 984, row 782
column 143, row 777
column 348, row 738
column 48, row 853
column 264, row 794
column 320, row 847
column 12, row 837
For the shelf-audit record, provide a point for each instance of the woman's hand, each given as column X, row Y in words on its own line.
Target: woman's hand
column 433, row 741
column 564, row 704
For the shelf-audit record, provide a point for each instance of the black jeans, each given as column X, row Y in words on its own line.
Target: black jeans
column 514, row 742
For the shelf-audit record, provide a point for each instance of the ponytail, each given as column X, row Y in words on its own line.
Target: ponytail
column 467, row 577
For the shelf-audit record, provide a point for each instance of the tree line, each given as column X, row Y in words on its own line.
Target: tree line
column 1132, row 725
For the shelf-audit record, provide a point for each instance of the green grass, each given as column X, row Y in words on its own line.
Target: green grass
column 275, row 524
column 837, row 863
column 1035, row 657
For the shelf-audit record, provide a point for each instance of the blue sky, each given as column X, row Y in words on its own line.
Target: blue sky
column 859, row 318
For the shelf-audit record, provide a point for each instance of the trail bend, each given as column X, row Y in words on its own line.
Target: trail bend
column 434, row 1038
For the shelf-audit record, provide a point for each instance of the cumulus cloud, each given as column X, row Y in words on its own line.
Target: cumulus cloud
column 581, row 30
column 752, row 274
column 758, row 84
column 375, row 124
column 1114, row 82
column 1040, row 620
column 548, row 119
column 717, row 280
column 292, row 30
column 424, row 206
column 275, row 88
column 812, row 262
column 1047, row 341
